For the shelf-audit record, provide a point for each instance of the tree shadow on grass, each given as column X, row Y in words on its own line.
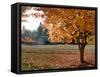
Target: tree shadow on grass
column 85, row 64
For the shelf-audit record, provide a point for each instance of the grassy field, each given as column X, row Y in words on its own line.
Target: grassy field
column 38, row 57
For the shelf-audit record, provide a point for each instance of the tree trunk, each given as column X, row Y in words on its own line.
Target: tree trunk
column 82, row 44
column 82, row 54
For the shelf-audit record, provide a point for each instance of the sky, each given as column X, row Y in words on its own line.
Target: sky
column 31, row 22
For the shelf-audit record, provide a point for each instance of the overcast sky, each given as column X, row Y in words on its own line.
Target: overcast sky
column 30, row 22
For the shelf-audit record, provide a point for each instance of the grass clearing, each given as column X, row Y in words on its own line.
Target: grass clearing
column 39, row 57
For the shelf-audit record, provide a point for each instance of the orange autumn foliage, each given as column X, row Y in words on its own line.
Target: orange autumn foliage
column 66, row 24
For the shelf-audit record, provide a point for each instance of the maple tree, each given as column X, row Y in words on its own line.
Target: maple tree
column 64, row 25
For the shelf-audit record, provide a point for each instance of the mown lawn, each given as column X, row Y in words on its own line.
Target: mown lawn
column 39, row 57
